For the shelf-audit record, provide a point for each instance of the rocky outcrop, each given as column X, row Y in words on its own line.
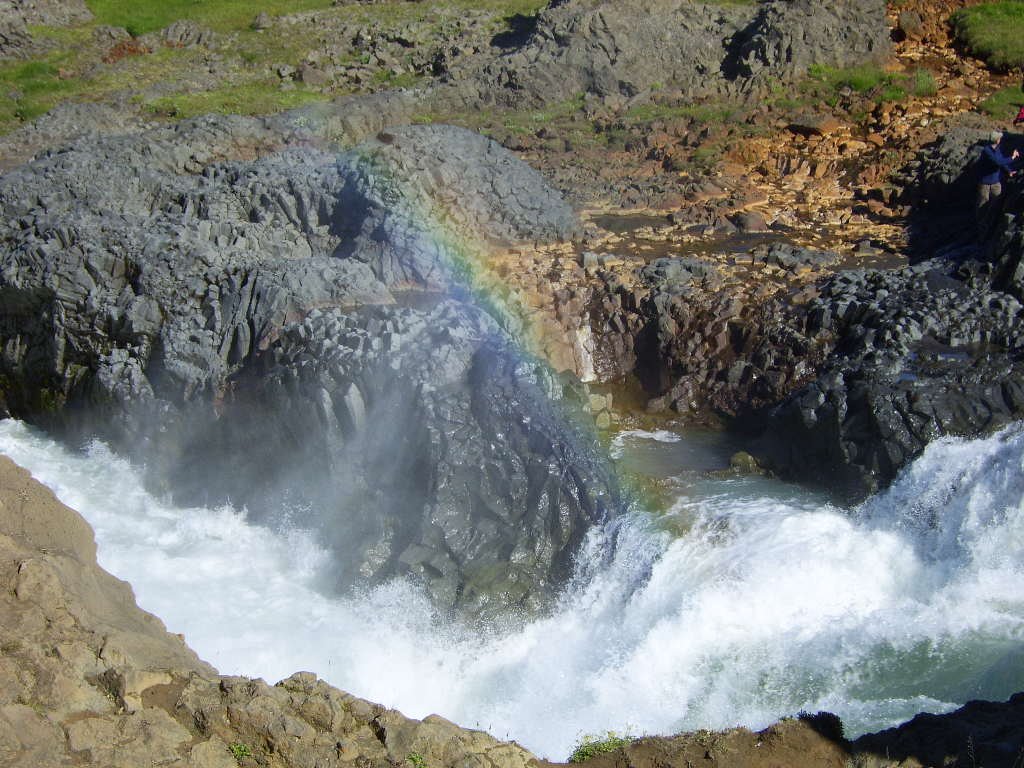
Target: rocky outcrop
column 921, row 352
column 17, row 15
column 930, row 350
column 153, row 287
column 788, row 38
column 619, row 51
column 426, row 444
column 87, row 678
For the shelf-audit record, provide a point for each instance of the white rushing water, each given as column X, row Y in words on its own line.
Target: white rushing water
column 747, row 602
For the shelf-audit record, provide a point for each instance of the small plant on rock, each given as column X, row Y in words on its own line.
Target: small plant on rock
column 416, row 760
column 591, row 746
column 240, row 751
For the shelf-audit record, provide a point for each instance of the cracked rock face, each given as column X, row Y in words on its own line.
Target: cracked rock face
column 155, row 292
column 919, row 353
column 617, row 51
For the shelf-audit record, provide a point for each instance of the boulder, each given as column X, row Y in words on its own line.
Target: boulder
column 621, row 52
column 153, row 290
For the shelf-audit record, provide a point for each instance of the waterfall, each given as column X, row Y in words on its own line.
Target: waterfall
column 744, row 603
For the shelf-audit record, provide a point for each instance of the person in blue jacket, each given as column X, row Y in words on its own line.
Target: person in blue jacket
column 992, row 164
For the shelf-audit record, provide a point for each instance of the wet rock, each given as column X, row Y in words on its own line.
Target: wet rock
column 145, row 309
column 438, row 451
column 919, row 354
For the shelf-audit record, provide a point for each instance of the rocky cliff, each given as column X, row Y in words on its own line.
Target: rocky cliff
column 235, row 323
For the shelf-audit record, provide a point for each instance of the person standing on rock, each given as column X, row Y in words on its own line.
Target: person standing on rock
column 991, row 166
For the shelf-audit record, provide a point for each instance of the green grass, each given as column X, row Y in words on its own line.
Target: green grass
column 710, row 112
column 1004, row 103
column 868, row 81
column 993, row 32
column 859, row 79
column 256, row 98
column 31, row 89
column 240, row 751
column 591, row 746
column 142, row 16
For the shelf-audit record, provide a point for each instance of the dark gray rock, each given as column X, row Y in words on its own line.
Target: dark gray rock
column 451, row 180
column 940, row 186
column 620, row 52
column 160, row 293
column 428, row 445
column 919, row 353
column 789, row 37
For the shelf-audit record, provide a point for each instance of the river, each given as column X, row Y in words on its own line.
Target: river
column 745, row 601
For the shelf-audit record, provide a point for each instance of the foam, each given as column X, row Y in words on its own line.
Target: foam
column 764, row 607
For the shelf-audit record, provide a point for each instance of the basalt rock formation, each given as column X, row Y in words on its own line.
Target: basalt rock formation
column 620, row 51
column 919, row 353
column 933, row 349
column 155, row 292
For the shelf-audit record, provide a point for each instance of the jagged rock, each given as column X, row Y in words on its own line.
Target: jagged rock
column 144, row 280
column 787, row 38
column 619, row 51
column 919, row 354
column 436, row 448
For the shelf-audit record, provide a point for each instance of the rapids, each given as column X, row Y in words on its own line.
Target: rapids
column 749, row 600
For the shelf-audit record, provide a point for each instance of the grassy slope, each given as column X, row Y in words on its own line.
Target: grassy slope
column 163, row 82
column 994, row 32
column 73, row 68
